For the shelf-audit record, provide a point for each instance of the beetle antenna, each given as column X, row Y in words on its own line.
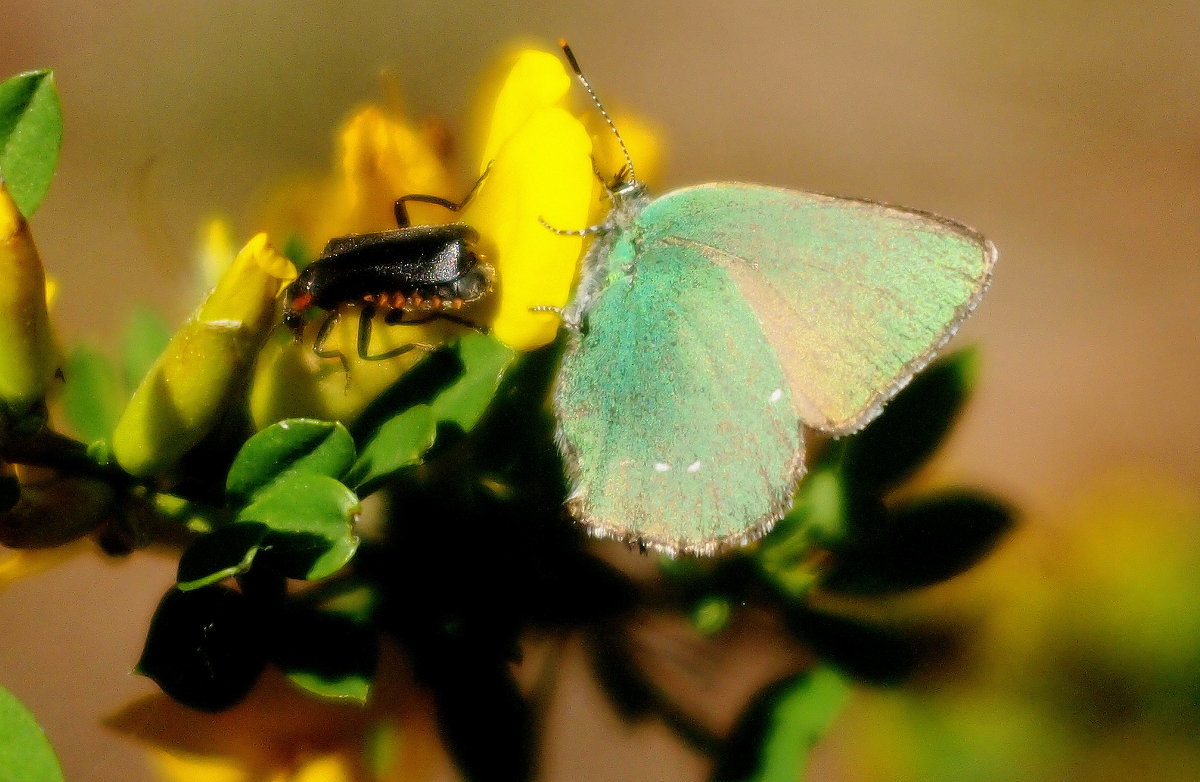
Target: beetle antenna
column 628, row 170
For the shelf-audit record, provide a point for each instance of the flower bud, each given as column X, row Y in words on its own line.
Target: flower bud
column 184, row 393
column 29, row 357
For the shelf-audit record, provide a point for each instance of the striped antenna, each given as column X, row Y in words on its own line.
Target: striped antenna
column 626, row 173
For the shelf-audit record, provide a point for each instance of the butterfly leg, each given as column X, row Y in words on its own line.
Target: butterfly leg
column 402, row 219
column 591, row 230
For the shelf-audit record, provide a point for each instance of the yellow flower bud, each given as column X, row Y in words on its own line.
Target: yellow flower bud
column 29, row 357
column 183, row 394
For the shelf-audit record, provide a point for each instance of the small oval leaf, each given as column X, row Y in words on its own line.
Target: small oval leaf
column 485, row 361
column 912, row 425
column 25, row 754
column 310, row 520
column 205, row 648
column 223, row 553
column 920, row 543
column 327, row 654
column 297, row 445
column 397, row 444
column 775, row 733
column 30, row 136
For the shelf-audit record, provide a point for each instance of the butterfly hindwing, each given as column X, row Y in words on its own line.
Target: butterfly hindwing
column 853, row 296
column 674, row 414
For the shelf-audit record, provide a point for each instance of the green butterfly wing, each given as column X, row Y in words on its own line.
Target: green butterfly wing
column 674, row 414
column 854, row 297
column 727, row 314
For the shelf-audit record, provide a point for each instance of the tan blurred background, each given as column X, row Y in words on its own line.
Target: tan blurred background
column 1068, row 132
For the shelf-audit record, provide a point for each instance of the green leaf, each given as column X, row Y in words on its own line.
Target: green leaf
column 912, row 425
column 397, row 444
column 920, row 543
column 295, row 249
column 223, row 553
column 297, row 445
column 145, row 338
column 327, row 654
column 311, row 525
column 863, row 649
column 25, row 754
column 92, row 399
column 30, row 136
column 205, row 648
column 484, row 360
column 774, row 736
column 418, row 386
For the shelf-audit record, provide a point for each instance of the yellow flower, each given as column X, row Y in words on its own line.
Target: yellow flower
column 185, row 391
column 29, row 357
column 540, row 169
column 279, row 734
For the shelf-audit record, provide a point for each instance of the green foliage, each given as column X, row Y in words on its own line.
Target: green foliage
column 205, row 648
column 772, row 740
column 398, row 443
column 224, row 553
column 25, row 755
column 30, row 136
column 310, row 524
column 92, row 398
column 144, row 338
column 291, row 447
column 329, row 654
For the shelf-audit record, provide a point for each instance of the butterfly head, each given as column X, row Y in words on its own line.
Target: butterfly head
column 625, row 187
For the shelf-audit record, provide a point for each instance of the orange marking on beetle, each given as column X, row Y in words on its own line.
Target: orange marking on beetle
column 302, row 301
column 399, row 300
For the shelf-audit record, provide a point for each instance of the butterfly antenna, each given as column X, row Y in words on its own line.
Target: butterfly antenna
column 628, row 169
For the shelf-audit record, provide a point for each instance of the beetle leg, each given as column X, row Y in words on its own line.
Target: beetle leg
column 441, row 315
column 364, row 337
column 322, row 335
column 402, row 219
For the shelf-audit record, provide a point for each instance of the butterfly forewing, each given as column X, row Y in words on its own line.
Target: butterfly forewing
column 853, row 296
column 675, row 416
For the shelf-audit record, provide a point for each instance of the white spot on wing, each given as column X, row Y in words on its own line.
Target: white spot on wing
column 775, row 396
column 694, row 466
column 661, row 466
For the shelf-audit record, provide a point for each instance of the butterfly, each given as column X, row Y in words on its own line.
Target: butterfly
column 712, row 324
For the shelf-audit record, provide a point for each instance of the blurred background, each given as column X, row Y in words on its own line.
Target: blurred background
column 1066, row 131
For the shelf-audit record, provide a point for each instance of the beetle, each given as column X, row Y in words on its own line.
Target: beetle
column 430, row 271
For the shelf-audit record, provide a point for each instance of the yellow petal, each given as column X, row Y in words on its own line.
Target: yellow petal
column 535, row 81
column 29, row 357
column 542, row 172
column 172, row 767
column 217, row 250
column 331, row 768
column 383, row 158
column 184, row 393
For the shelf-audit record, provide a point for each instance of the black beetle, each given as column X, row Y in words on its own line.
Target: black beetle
column 429, row 270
